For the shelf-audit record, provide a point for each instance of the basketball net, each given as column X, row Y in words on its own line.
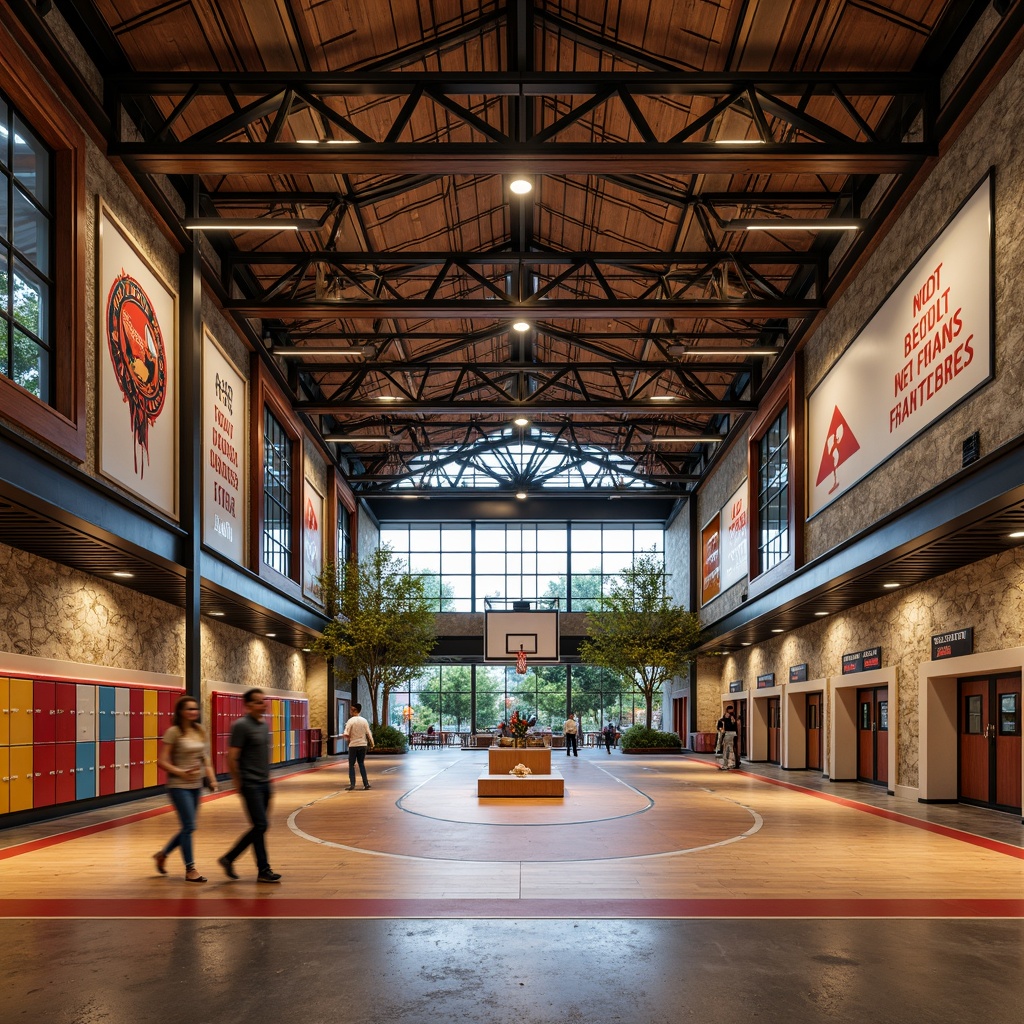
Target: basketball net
column 521, row 663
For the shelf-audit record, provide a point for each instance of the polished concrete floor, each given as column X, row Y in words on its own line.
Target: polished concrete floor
column 415, row 901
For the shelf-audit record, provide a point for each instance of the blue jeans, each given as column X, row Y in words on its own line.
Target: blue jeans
column 257, row 799
column 186, row 803
column 356, row 755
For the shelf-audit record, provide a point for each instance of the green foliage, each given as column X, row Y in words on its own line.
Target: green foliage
column 640, row 737
column 639, row 634
column 387, row 737
column 383, row 626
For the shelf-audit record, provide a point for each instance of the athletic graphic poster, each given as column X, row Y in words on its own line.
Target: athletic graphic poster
column 312, row 540
column 225, row 445
column 136, row 358
column 928, row 346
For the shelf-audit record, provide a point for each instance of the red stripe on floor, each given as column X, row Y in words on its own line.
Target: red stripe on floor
column 273, row 904
column 904, row 819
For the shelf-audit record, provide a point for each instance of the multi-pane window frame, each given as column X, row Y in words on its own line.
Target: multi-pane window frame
column 60, row 419
column 269, row 401
column 785, row 398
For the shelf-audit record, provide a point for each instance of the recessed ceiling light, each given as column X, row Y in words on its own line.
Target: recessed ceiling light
column 306, row 650
column 1017, row 535
column 521, row 421
column 739, row 142
column 270, row 634
column 216, row 615
column 744, row 644
column 819, row 614
column 520, row 326
column 520, row 186
column 778, row 631
column 890, row 586
column 250, row 224
column 124, row 575
column 663, row 398
column 387, row 398
column 521, row 495
column 812, row 224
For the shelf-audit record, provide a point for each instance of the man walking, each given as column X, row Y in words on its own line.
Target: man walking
column 727, row 729
column 357, row 732
column 249, row 764
column 571, row 730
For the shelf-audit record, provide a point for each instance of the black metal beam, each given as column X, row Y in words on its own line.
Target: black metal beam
column 677, row 407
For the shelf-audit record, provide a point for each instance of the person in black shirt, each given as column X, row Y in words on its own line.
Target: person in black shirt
column 249, row 764
column 727, row 729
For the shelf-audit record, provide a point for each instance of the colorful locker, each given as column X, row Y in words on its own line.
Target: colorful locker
column 44, row 774
column 86, row 724
column 122, row 713
column 151, row 714
column 44, row 712
column 21, row 777
column 85, row 770
column 106, row 783
column 64, row 788
column 66, row 701
column 5, row 718
column 288, row 730
column 5, row 774
column 149, row 774
column 107, row 714
column 21, row 713
column 122, row 766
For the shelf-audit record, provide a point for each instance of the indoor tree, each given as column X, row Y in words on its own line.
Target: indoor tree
column 639, row 634
column 382, row 623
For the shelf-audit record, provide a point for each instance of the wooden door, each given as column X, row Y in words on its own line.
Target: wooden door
column 813, row 718
column 873, row 735
column 774, row 729
column 741, row 728
column 990, row 741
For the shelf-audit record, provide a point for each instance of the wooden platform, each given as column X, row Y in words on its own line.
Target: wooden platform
column 501, row 760
column 514, row 786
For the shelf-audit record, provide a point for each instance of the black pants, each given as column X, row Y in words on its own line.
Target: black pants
column 356, row 755
column 257, row 799
column 609, row 738
column 571, row 745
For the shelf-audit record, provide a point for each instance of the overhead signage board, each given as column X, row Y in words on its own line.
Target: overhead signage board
column 927, row 347
column 862, row 661
column 765, row 680
column 953, row 644
column 736, row 686
column 798, row 673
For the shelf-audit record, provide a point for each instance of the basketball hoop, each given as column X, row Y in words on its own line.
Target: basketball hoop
column 521, row 662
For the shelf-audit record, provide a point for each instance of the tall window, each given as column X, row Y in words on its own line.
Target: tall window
column 344, row 533
column 773, row 493
column 26, row 255
column 277, row 495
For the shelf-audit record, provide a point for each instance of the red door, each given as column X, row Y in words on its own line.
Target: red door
column 814, row 730
column 741, row 728
column 990, row 741
column 774, row 728
column 873, row 735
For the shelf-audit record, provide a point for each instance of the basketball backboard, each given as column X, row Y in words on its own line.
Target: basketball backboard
column 508, row 632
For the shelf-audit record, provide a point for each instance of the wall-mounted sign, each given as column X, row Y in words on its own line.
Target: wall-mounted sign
column 928, row 346
column 766, row 680
column 137, row 360
column 798, row 673
column 736, row 686
column 953, row 644
column 734, row 538
column 862, row 661
column 312, row 540
column 225, row 451
column 710, row 577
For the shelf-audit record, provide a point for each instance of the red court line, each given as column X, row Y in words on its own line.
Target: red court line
column 104, row 826
column 275, row 905
column 904, row 819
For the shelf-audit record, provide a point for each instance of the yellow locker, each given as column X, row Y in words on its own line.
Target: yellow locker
column 152, row 711
column 21, row 704
column 5, row 713
column 21, row 778
column 149, row 775
column 5, row 778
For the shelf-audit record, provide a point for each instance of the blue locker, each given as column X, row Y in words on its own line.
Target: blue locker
column 107, row 716
column 288, row 755
column 85, row 770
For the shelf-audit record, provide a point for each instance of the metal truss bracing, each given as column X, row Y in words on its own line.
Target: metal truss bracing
column 700, row 185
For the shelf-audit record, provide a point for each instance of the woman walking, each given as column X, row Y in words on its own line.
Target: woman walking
column 185, row 758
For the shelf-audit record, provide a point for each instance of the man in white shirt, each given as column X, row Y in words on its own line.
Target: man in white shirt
column 571, row 730
column 360, row 739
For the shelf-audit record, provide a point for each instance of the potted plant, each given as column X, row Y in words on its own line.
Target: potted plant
column 639, row 739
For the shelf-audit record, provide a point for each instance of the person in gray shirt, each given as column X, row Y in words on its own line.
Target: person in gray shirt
column 249, row 764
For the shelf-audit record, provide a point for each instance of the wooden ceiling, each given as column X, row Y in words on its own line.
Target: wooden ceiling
column 654, row 135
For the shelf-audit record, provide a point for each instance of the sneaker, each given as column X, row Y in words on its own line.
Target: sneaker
column 367, row 786
column 268, row 876
column 227, row 866
column 347, row 788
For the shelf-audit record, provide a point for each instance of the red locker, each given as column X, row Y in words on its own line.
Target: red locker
column 67, row 712
column 44, row 712
column 166, row 702
column 44, row 774
column 137, row 706
column 65, row 777
column 137, row 760
column 108, row 755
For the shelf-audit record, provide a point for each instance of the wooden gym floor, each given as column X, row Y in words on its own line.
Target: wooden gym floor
column 660, row 890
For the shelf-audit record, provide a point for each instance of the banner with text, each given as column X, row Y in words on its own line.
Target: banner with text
column 926, row 348
column 225, row 444
column 710, row 577
column 734, row 552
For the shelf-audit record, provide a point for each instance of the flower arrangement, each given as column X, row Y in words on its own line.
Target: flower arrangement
column 517, row 725
column 520, row 771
